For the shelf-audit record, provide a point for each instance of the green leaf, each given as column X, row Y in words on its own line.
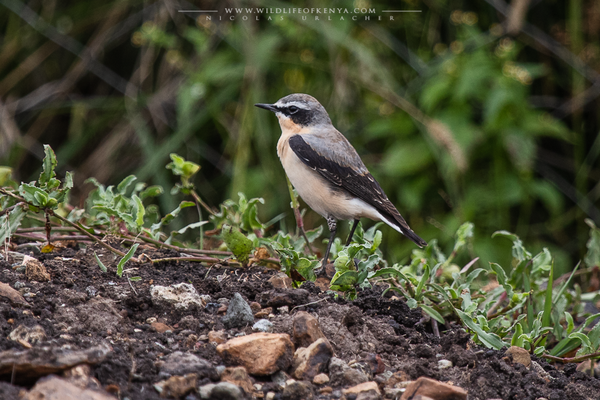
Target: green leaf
column 151, row 191
column 184, row 229
column 10, row 222
column 125, row 183
column 490, row 340
column 570, row 322
column 463, row 234
column 541, row 262
column 100, row 264
column 517, row 338
column 433, row 313
column 548, row 303
column 592, row 257
column 377, row 240
column 135, row 278
column 171, row 216
column 126, row 258
column 139, row 210
column 314, row 234
column 346, row 278
column 306, row 267
column 519, row 252
column 502, row 279
column 5, row 174
column 48, row 166
column 239, row 244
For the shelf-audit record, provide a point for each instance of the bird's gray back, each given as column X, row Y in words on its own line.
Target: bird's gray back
column 331, row 144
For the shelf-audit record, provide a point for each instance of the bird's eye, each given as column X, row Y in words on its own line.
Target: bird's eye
column 293, row 109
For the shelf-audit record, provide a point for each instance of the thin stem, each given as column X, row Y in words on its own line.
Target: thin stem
column 86, row 233
column 572, row 359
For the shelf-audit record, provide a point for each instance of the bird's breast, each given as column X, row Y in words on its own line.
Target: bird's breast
column 317, row 192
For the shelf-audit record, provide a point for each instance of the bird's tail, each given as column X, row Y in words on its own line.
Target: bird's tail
column 401, row 226
column 415, row 238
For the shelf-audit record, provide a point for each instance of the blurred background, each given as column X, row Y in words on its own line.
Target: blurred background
column 482, row 111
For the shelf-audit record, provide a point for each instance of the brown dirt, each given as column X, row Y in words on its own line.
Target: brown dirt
column 81, row 307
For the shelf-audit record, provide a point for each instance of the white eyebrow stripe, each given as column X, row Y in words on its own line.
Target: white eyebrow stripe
column 292, row 103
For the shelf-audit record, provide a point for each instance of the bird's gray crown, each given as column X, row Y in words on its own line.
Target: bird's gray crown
column 303, row 109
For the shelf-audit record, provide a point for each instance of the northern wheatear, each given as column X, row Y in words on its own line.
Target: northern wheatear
column 326, row 170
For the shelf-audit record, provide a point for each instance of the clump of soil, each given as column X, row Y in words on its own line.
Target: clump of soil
column 81, row 307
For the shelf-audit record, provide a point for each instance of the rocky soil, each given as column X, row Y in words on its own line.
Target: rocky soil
column 69, row 331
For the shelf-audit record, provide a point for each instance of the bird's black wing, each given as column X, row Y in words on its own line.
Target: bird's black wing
column 355, row 180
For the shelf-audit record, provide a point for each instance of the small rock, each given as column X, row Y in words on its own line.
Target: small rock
column 320, row 379
column 176, row 386
column 238, row 376
column 81, row 376
column 91, row 291
column 306, row 329
column 519, row 355
column 205, row 391
column 364, row 391
column 54, row 388
column 29, row 335
column 342, row 375
column 263, row 325
column 264, row 312
column 443, row 364
column 180, row 364
column 383, row 377
column 189, row 322
column 270, row 396
column 310, row 361
column 212, row 308
column 260, row 353
column 326, row 390
column 281, row 281
column 280, row 378
column 182, row 296
column 221, row 391
column 217, row 337
column 436, row 390
column 160, row 327
column 151, row 320
column 255, row 307
column 393, row 393
column 297, row 390
column 375, row 364
column 35, row 270
column 239, row 313
column 280, row 298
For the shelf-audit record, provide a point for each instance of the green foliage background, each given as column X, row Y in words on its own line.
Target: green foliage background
column 458, row 120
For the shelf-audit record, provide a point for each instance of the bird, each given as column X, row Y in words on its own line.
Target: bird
column 326, row 170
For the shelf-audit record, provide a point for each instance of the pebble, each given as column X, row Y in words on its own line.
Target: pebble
column 320, row 379
column 306, row 329
column 297, row 390
column 519, row 355
column 443, row 364
column 182, row 296
column 261, row 353
column 263, row 325
column 180, row 363
column 239, row 313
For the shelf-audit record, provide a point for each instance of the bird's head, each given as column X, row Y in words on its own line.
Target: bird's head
column 297, row 111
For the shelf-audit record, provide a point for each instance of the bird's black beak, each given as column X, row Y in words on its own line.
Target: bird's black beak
column 269, row 107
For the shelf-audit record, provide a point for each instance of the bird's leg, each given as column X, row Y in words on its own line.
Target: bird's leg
column 332, row 223
column 356, row 221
